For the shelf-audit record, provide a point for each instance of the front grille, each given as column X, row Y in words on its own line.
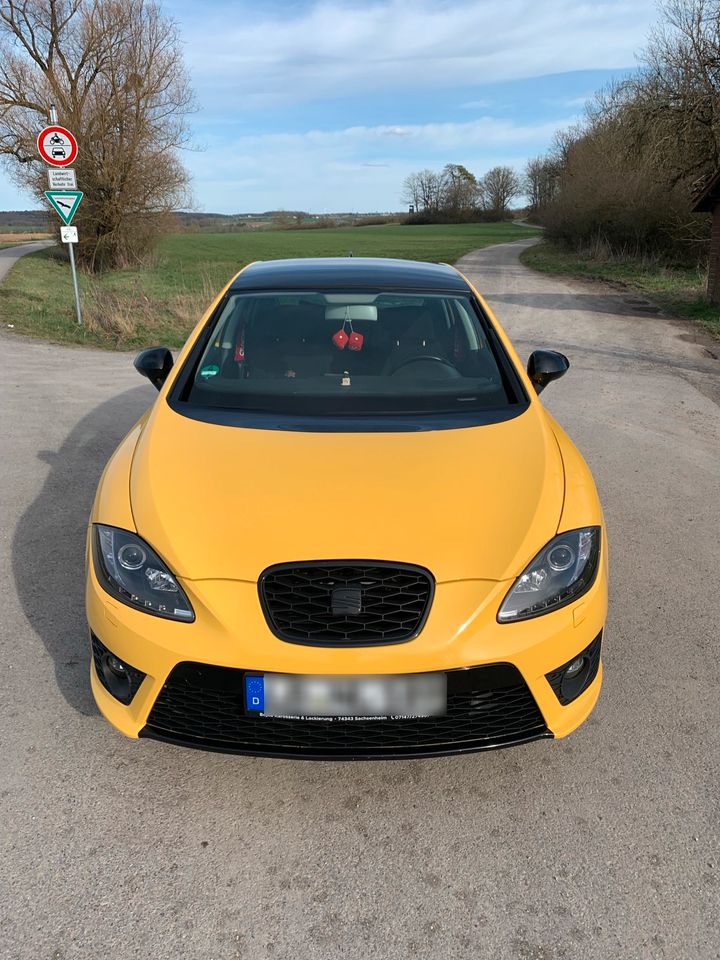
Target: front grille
column 203, row 706
column 346, row 604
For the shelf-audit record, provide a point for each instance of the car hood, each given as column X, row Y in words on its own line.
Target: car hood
column 224, row 502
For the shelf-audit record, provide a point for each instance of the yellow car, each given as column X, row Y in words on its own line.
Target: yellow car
column 347, row 528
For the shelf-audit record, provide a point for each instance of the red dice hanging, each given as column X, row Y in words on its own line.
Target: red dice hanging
column 340, row 339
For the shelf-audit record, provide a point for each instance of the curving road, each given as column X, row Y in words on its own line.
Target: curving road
column 9, row 255
column 604, row 845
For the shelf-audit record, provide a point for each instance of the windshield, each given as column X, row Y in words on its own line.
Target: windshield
column 333, row 353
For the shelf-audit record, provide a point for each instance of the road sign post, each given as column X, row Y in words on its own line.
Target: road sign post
column 71, row 251
column 58, row 148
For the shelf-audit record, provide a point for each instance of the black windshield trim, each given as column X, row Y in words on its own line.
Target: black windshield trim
column 383, row 423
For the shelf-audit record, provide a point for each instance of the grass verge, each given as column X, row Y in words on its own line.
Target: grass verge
column 161, row 303
column 677, row 290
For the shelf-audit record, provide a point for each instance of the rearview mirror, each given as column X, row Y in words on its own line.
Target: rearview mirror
column 544, row 366
column 155, row 363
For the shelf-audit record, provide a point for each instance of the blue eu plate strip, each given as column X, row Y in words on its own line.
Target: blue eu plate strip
column 255, row 693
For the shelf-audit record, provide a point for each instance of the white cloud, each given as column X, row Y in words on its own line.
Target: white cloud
column 252, row 54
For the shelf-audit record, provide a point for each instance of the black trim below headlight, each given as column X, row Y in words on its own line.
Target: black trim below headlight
column 575, row 676
column 131, row 571
column 117, row 676
column 564, row 570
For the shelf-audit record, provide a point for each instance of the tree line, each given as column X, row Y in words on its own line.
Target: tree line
column 454, row 194
column 621, row 183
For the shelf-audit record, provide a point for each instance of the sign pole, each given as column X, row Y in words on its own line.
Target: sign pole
column 75, row 283
column 58, row 148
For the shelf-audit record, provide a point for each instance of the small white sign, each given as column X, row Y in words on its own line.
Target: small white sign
column 68, row 234
column 61, row 178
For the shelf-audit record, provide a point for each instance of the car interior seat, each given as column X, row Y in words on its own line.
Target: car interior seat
column 411, row 332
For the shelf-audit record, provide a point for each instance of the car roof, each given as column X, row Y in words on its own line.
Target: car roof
column 349, row 272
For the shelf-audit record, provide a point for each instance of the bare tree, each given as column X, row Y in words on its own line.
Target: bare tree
column 114, row 69
column 674, row 103
column 540, row 181
column 501, row 186
column 410, row 195
column 627, row 174
column 423, row 190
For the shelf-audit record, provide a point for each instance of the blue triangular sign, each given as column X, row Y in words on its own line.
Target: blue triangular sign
column 65, row 202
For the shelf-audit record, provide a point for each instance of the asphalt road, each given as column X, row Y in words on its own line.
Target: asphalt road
column 604, row 845
column 8, row 255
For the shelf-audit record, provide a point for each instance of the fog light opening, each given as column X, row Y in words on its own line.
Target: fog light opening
column 575, row 677
column 116, row 677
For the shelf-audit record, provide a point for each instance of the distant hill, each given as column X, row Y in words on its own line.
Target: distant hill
column 187, row 220
column 25, row 219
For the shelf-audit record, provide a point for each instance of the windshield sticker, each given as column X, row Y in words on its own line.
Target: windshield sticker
column 210, row 370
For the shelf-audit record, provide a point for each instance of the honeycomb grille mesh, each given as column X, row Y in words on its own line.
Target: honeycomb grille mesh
column 302, row 602
column 204, row 707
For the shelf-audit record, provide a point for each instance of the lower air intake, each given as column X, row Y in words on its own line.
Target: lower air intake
column 203, row 706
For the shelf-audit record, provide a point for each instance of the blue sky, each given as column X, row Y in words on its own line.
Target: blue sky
column 328, row 106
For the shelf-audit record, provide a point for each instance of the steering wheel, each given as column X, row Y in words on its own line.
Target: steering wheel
column 421, row 357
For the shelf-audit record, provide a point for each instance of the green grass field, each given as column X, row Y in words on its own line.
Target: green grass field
column 161, row 303
column 678, row 290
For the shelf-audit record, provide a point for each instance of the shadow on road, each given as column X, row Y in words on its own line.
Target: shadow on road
column 48, row 552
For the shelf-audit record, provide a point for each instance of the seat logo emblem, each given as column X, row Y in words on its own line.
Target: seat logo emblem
column 346, row 602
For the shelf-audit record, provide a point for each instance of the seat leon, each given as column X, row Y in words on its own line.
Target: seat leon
column 347, row 528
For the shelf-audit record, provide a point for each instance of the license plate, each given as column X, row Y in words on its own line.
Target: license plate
column 346, row 698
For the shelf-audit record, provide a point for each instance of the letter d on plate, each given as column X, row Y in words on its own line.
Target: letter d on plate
column 255, row 694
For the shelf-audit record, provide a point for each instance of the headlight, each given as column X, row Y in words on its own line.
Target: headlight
column 131, row 571
column 559, row 574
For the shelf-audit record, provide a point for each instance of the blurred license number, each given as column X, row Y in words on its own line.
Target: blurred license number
column 288, row 695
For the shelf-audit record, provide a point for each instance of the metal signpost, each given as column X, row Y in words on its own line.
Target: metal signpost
column 58, row 148
column 69, row 235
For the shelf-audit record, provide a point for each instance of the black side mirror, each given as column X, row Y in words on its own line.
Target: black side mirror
column 155, row 363
column 544, row 366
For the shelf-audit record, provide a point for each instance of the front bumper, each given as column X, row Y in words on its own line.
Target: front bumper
column 461, row 636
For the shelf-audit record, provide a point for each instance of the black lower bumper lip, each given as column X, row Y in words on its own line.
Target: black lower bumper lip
column 286, row 752
column 203, row 706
